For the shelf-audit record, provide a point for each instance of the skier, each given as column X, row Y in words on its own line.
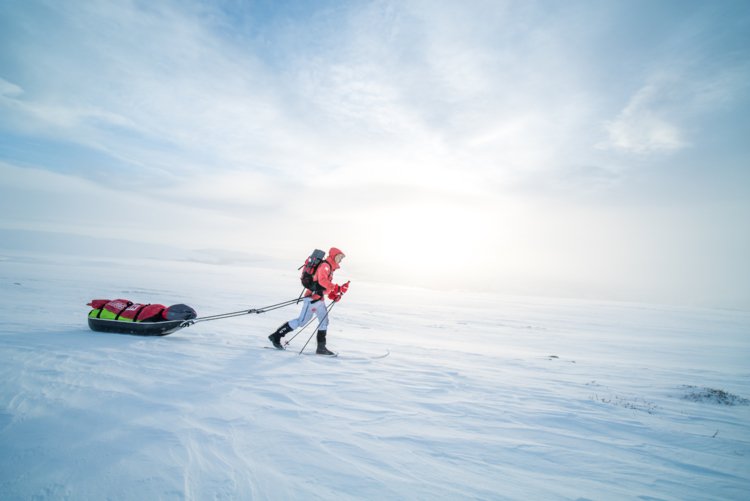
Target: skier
column 314, row 302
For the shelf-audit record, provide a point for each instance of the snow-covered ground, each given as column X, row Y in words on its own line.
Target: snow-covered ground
column 482, row 397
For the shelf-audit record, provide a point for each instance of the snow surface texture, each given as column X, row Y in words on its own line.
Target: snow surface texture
column 482, row 397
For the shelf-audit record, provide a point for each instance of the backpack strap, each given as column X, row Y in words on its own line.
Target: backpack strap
column 319, row 289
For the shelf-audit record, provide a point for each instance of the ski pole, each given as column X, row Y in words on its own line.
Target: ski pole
column 328, row 310
column 307, row 324
column 286, row 343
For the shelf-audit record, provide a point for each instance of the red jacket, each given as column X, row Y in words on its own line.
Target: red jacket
column 324, row 273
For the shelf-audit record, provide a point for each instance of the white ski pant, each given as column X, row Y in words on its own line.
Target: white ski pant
column 308, row 310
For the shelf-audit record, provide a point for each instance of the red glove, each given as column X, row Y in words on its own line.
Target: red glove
column 337, row 292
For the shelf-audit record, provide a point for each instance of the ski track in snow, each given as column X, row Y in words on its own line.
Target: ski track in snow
column 482, row 397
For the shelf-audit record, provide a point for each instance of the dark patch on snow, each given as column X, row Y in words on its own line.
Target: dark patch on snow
column 633, row 403
column 713, row 396
column 555, row 357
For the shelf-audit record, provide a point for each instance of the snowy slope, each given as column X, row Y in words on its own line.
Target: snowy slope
column 482, row 397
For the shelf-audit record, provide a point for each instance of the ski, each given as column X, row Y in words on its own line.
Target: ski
column 375, row 357
column 335, row 354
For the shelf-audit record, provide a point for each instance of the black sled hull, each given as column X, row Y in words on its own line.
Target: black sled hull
column 136, row 328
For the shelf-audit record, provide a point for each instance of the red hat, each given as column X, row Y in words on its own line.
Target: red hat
column 335, row 252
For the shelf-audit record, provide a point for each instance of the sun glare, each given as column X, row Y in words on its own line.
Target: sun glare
column 432, row 239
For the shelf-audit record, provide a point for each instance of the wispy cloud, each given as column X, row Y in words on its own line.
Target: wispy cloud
column 661, row 115
column 641, row 127
column 9, row 90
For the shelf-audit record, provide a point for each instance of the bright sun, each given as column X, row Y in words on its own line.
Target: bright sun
column 432, row 239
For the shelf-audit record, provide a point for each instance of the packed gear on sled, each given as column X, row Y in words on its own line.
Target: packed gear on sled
column 126, row 317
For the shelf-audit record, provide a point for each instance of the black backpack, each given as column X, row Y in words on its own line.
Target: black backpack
column 308, row 271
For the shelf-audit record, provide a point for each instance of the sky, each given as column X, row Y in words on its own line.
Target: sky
column 578, row 149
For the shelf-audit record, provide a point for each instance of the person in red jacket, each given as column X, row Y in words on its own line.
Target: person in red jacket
column 314, row 302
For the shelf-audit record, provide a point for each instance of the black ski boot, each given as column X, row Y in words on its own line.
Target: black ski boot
column 282, row 331
column 322, row 350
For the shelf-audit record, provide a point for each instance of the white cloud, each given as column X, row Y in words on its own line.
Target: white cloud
column 369, row 105
column 56, row 118
column 37, row 199
column 160, row 74
column 644, row 126
column 8, row 89
column 660, row 114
